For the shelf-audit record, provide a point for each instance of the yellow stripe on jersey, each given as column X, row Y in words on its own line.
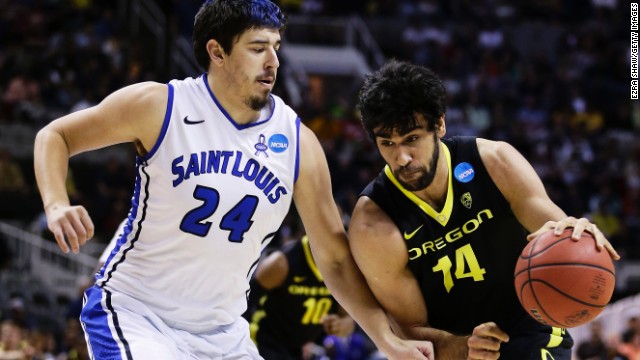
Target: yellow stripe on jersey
column 441, row 217
column 309, row 256
column 556, row 337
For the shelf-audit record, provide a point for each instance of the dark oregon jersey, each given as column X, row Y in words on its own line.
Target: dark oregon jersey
column 290, row 316
column 466, row 253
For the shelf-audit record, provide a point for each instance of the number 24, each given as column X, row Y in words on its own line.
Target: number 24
column 237, row 220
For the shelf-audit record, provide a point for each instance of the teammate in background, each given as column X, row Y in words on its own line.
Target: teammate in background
column 219, row 161
column 438, row 232
column 289, row 304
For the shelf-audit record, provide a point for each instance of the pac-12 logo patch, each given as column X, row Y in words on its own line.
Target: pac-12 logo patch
column 278, row 143
column 466, row 200
column 464, row 172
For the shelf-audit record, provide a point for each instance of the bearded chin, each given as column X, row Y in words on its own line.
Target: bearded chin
column 421, row 183
column 427, row 176
column 257, row 103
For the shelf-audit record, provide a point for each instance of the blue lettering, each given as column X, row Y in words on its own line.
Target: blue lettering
column 273, row 198
column 236, row 165
column 251, row 169
column 271, row 186
column 225, row 160
column 261, row 181
column 177, row 169
column 216, row 161
column 192, row 167
column 203, row 163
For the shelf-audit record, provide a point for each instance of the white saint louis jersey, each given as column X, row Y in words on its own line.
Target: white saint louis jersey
column 208, row 198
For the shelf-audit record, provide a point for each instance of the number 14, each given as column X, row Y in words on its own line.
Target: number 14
column 464, row 255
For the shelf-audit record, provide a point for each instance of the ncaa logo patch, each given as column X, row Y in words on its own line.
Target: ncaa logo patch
column 464, row 172
column 278, row 143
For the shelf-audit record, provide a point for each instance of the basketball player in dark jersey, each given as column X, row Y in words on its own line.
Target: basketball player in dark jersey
column 437, row 234
column 292, row 304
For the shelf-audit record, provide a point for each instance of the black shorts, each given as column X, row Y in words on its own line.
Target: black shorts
column 530, row 340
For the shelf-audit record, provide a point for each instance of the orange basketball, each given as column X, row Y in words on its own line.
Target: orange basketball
column 564, row 283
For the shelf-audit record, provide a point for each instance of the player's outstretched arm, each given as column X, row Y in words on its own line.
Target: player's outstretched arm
column 525, row 192
column 132, row 114
column 319, row 213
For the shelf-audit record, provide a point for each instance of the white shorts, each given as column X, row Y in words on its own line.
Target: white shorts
column 118, row 327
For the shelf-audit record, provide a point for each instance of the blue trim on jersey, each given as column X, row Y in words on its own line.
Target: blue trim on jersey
column 135, row 202
column 226, row 114
column 95, row 322
column 165, row 124
column 297, row 166
column 126, row 230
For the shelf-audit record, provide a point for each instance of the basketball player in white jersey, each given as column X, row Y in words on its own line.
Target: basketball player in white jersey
column 219, row 161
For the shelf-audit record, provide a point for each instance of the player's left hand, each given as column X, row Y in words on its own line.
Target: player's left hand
column 579, row 226
column 338, row 325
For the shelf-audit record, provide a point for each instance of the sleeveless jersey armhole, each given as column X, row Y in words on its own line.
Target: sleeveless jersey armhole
column 165, row 124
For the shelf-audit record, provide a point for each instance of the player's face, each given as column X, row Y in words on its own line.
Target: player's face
column 412, row 157
column 253, row 66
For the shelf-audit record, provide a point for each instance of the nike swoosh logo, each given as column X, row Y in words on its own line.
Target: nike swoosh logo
column 192, row 122
column 298, row 279
column 410, row 235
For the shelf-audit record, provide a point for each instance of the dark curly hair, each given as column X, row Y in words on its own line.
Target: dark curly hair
column 391, row 96
column 225, row 20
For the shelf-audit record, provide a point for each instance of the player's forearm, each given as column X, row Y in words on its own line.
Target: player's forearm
column 51, row 163
column 349, row 287
column 446, row 345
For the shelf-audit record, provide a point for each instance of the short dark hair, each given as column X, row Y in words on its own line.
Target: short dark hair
column 391, row 96
column 225, row 20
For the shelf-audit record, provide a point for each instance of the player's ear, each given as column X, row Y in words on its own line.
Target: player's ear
column 215, row 51
column 441, row 127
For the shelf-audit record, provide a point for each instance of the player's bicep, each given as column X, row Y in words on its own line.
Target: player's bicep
column 314, row 201
column 519, row 183
column 379, row 251
column 134, row 113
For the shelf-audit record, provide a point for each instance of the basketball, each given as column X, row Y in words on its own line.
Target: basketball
column 564, row 283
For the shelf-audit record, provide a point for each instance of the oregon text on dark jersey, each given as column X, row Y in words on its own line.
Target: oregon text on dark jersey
column 290, row 315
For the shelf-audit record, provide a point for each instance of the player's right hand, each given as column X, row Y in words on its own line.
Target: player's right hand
column 484, row 343
column 71, row 226
column 410, row 350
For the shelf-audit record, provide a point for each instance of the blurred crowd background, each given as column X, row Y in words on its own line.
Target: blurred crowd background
column 550, row 77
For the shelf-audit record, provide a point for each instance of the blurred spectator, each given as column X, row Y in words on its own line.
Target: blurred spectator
column 415, row 41
column 18, row 201
column 12, row 179
column 629, row 346
column 41, row 346
column 533, row 118
column 12, row 341
column 594, row 348
column 490, row 37
column 477, row 114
